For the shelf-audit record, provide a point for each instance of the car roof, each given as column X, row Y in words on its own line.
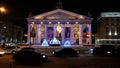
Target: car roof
column 28, row 48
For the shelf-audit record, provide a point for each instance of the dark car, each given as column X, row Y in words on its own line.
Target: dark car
column 28, row 48
column 29, row 55
column 118, row 51
column 70, row 52
column 105, row 50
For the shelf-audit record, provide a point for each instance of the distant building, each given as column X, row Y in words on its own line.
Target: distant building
column 108, row 28
column 10, row 33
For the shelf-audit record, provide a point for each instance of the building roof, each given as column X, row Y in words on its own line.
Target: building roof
column 59, row 14
column 110, row 14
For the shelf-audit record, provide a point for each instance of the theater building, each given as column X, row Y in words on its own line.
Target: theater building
column 60, row 24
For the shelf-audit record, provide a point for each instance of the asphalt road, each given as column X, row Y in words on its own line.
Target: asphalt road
column 65, row 62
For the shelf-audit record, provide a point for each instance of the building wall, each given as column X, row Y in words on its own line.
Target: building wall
column 109, row 27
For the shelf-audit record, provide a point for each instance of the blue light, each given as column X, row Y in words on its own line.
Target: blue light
column 54, row 41
column 45, row 43
column 67, row 43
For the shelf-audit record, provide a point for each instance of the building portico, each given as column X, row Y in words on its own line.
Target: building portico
column 60, row 24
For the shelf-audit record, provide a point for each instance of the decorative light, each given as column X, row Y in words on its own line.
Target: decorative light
column 76, row 22
column 50, row 22
column 88, row 35
column 54, row 41
column 115, row 33
column 80, row 17
column 25, row 35
column 33, row 22
column 58, row 22
column 39, row 17
column 110, row 33
column 41, row 22
column 45, row 43
column 59, row 29
column 67, row 22
column 67, row 43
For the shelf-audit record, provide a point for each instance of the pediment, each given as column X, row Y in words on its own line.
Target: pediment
column 59, row 14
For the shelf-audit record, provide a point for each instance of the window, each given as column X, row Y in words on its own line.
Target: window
column 118, row 30
column 117, row 19
column 112, row 19
column 107, row 29
column 106, row 19
column 117, row 23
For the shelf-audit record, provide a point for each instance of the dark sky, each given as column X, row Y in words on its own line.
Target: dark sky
column 18, row 10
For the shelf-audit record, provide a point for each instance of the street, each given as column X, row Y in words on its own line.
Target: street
column 65, row 62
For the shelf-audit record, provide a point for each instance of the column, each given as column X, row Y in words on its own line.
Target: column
column 63, row 33
column 54, row 31
column 80, row 33
column 90, row 33
column 45, row 34
column 28, row 38
column 72, row 33
column 37, row 33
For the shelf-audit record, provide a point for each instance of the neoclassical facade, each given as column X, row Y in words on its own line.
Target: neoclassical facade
column 60, row 24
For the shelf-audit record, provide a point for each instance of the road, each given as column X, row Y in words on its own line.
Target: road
column 66, row 62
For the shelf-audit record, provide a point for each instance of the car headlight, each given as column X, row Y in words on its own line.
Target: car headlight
column 108, row 52
column 2, row 53
column 44, row 56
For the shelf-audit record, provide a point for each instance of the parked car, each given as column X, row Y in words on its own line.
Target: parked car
column 70, row 52
column 29, row 55
column 105, row 50
column 118, row 51
column 28, row 48
column 12, row 49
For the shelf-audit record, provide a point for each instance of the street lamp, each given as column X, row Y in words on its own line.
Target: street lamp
column 2, row 10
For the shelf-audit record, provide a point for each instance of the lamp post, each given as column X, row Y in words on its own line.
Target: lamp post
column 2, row 25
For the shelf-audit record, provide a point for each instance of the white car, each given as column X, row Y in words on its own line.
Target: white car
column 12, row 49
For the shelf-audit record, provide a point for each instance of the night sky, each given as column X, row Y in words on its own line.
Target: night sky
column 18, row 10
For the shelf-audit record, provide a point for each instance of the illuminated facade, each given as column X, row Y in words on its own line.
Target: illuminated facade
column 108, row 31
column 60, row 24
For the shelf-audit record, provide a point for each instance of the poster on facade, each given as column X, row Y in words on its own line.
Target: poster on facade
column 67, row 33
column 85, row 34
column 50, row 33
